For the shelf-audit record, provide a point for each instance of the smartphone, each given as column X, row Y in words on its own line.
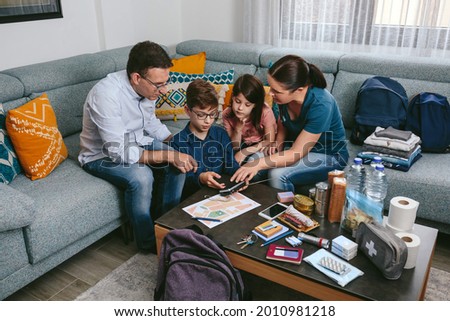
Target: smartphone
column 273, row 211
column 284, row 254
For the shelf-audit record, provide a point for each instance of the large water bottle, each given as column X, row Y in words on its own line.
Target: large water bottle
column 376, row 186
column 356, row 176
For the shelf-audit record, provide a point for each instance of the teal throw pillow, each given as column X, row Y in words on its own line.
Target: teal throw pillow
column 9, row 164
column 221, row 78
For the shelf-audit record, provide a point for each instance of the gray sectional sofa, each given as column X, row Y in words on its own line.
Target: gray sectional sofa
column 45, row 222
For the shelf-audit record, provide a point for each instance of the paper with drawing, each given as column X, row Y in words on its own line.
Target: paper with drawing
column 221, row 208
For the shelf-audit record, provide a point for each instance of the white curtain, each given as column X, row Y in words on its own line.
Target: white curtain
column 408, row 27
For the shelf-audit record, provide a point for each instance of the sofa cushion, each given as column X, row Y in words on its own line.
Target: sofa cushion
column 68, row 104
column 13, row 253
column 11, row 87
column 16, row 209
column 9, row 163
column 36, row 138
column 70, row 204
column 63, row 72
column 73, row 145
column 193, row 64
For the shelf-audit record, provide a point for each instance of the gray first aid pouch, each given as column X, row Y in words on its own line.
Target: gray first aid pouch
column 387, row 251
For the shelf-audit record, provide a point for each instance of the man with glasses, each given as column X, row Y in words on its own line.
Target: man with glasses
column 209, row 145
column 123, row 142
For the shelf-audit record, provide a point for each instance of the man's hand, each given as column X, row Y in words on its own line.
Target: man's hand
column 209, row 179
column 184, row 162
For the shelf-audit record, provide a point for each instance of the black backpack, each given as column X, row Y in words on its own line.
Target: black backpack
column 429, row 118
column 193, row 267
column 381, row 101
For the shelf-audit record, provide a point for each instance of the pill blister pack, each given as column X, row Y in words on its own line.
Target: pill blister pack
column 333, row 265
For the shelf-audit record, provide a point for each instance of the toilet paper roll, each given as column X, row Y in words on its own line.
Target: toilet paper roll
column 412, row 243
column 402, row 213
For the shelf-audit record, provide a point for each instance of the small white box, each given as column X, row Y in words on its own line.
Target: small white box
column 344, row 247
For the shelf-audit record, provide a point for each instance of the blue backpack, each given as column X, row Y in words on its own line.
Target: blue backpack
column 429, row 118
column 381, row 101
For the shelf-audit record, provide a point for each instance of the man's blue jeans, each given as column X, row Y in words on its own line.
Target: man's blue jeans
column 140, row 182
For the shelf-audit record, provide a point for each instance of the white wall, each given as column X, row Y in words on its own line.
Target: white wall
column 93, row 25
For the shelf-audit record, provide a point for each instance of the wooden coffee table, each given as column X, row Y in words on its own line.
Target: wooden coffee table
column 305, row 278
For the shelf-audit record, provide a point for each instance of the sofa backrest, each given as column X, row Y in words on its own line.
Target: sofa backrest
column 66, row 81
column 415, row 74
column 244, row 58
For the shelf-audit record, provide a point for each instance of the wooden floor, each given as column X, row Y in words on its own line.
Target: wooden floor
column 85, row 269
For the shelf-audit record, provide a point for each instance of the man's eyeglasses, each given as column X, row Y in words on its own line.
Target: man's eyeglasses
column 201, row 115
column 158, row 87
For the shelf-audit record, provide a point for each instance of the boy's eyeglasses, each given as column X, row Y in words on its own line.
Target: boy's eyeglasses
column 201, row 115
column 158, row 87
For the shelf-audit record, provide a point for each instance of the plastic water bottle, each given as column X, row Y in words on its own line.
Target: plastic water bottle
column 356, row 176
column 376, row 187
column 377, row 160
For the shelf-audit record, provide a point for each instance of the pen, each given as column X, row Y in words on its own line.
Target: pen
column 277, row 238
column 198, row 218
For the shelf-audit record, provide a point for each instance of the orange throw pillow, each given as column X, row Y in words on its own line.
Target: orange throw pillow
column 35, row 136
column 194, row 64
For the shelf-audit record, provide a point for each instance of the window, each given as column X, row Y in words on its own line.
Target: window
column 413, row 27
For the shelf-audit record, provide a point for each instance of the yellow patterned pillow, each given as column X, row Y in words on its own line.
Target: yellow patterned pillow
column 35, row 136
column 194, row 64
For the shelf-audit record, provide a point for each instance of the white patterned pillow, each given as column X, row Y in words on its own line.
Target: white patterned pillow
column 9, row 164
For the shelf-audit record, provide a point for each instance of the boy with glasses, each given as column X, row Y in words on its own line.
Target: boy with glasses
column 207, row 143
column 123, row 142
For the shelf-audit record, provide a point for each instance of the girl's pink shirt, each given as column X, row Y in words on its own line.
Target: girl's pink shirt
column 250, row 134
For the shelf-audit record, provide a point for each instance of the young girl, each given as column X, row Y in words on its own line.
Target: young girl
column 249, row 121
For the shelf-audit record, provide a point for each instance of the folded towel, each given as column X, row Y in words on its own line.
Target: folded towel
column 392, row 143
column 393, row 133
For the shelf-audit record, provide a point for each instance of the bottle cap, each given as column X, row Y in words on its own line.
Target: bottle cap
column 379, row 167
column 377, row 159
column 357, row 161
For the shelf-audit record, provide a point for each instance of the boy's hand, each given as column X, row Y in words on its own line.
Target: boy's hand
column 209, row 179
column 184, row 162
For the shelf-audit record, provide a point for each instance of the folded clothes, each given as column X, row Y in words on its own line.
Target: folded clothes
column 393, row 133
column 390, row 165
column 392, row 159
column 392, row 143
column 389, row 151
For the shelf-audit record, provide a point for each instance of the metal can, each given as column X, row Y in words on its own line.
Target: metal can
column 312, row 193
column 321, row 199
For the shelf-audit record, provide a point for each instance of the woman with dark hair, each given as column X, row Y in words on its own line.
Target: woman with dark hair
column 311, row 137
column 249, row 121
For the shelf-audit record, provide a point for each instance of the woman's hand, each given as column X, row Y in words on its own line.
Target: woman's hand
column 209, row 179
column 246, row 172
